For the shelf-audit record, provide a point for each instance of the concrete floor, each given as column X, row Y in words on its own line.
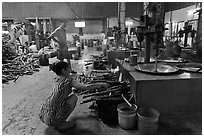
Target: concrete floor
column 21, row 102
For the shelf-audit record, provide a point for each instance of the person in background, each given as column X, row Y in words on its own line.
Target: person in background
column 131, row 40
column 103, row 36
column 109, row 32
column 15, row 34
column 47, row 41
column 172, row 50
column 61, row 103
column 76, row 39
column 29, row 30
column 59, row 36
column 103, row 43
column 25, row 47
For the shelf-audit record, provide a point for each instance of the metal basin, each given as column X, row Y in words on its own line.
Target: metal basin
column 161, row 68
column 178, row 60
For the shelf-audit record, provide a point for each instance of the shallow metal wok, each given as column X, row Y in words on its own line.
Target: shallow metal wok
column 161, row 68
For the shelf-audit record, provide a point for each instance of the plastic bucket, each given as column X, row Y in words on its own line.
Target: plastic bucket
column 147, row 120
column 127, row 117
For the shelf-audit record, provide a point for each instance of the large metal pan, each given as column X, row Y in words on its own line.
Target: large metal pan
column 162, row 69
column 191, row 67
column 178, row 60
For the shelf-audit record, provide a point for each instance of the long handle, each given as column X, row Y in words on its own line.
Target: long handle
column 126, row 100
column 199, row 69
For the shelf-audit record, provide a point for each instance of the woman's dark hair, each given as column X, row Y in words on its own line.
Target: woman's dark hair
column 58, row 66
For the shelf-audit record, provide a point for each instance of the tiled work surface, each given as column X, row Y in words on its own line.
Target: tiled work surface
column 21, row 102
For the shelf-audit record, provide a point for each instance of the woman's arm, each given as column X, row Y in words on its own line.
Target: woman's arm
column 81, row 86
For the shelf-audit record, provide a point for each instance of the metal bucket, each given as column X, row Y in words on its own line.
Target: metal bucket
column 127, row 117
column 147, row 120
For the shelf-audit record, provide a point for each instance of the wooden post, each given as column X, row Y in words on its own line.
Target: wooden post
column 37, row 39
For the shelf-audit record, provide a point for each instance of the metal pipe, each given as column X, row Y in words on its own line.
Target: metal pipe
column 147, row 47
column 121, row 22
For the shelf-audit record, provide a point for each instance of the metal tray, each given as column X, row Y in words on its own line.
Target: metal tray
column 161, row 69
column 179, row 60
column 191, row 67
